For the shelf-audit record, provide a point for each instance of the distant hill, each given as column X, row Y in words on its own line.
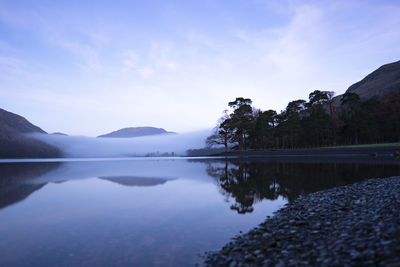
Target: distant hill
column 15, row 144
column 381, row 81
column 136, row 132
column 58, row 133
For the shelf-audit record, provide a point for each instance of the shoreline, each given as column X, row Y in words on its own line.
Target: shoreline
column 362, row 151
column 357, row 224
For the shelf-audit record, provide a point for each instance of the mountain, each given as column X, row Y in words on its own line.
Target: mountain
column 136, row 132
column 15, row 144
column 381, row 81
column 59, row 133
column 17, row 123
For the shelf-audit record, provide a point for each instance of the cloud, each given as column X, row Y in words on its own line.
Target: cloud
column 158, row 59
column 129, row 60
column 11, row 64
column 180, row 72
column 130, row 63
column 87, row 55
column 145, row 72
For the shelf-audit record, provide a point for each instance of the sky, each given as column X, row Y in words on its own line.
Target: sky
column 91, row 67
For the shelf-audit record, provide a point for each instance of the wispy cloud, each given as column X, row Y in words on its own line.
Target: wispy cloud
column 131, row 63
column 88, row 56
column 180, row 71
column 11, row 64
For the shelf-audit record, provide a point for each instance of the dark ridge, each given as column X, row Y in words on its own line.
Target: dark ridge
column 14, row 143
column 381, row 81
column 17, row 123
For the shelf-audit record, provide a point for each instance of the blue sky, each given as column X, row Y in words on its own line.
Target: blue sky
column 91, row 67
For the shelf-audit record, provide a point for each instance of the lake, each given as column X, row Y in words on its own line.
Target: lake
column 150, row 211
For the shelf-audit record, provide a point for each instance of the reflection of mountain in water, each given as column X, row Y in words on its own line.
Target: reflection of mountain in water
column 250, row 182
column 15, row 193
column 135, row 180
column 13, row 180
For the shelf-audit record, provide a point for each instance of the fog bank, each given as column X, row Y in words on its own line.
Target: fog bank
column 83, row 146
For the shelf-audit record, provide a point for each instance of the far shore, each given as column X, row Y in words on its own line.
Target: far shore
column 373, row 151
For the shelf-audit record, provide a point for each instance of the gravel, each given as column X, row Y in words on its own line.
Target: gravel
column 357, row 224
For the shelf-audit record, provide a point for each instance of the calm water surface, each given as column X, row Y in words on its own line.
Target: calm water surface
column 149, row 212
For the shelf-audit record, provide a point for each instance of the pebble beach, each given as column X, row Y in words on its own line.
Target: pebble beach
column 357, row 224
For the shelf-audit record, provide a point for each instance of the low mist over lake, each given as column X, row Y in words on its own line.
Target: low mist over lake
column 82, row 146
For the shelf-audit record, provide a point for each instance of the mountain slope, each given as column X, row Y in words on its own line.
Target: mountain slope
column 17, row 123
column 136, row 132
column 15, row 144
column 381, row 81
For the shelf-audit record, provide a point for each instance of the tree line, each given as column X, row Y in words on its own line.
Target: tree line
column 321, row 121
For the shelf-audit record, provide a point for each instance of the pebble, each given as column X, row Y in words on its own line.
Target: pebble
column 357, row 224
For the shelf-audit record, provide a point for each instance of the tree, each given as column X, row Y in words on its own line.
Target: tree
column 333, row 115
column 289, row 123
column 239, row 121
column 351, row 104
column 264, row 124
column 389, row 116
column 317, row 127
column 234, row 127
column 221, row 135
column 310, row 124
column 319, row 97
column 368, row 128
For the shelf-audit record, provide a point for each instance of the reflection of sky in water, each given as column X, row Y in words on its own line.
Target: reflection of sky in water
column 92, row 221
column 162, row 168
column 144, row 212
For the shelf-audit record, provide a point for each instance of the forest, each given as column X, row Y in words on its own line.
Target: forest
column 322, row 121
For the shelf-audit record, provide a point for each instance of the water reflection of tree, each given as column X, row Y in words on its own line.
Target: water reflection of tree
column 250, row 182
column 237, row 180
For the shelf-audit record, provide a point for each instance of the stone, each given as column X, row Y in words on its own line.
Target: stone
column 356, row 224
